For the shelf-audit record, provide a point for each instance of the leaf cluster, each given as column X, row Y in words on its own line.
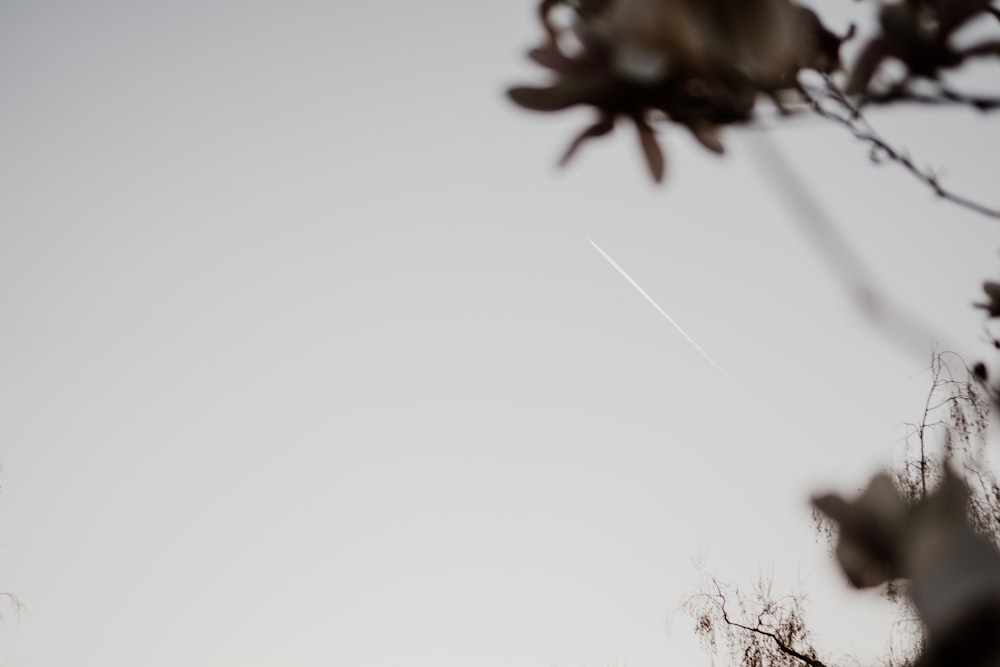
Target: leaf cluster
column 701, row 65
column 705, row 64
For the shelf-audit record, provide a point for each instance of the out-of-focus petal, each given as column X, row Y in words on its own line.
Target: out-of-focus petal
column 563, row 95
column 992, row 306
column 598, row 129
column 707, row 135
column 864, row 69
column 651, row 149
column 963, row 576
column 550, row 56
column 871, row 529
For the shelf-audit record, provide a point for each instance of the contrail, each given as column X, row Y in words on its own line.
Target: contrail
column 735, row 385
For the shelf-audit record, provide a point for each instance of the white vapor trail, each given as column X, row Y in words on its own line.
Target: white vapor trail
column 735, row 385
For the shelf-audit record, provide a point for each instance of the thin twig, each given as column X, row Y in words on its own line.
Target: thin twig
column 880, row 147
column 781, row 646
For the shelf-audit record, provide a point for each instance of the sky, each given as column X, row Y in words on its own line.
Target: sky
column 306, row 358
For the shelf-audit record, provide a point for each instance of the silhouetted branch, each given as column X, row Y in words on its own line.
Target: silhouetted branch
column 882, row 149
column 753, row 640
column 780, row 645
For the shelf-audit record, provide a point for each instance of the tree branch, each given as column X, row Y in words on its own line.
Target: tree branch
column 720, row 601
column 882, row 149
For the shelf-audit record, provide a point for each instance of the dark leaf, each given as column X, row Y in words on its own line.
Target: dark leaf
column 570, row 91
column 540, row 99
column 864, row 69
column 992, row 307
column 707, row 135
column 550, row 56
column 953, row 14
column 598, row 129
column 651, row 149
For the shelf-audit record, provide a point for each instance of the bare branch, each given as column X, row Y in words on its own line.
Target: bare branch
column 882, row 149
column 780, row 645
column 773, row 633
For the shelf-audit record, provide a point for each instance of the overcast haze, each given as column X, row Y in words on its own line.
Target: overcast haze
column 305, row 358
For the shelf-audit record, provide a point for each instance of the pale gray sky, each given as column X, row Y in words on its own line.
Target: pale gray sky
column 306, row 360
